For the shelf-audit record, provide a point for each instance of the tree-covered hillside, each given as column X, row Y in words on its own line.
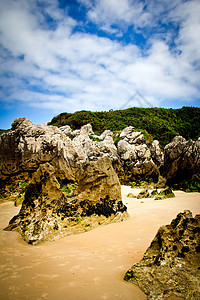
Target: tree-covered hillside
column 161, row 123
column 3, row 131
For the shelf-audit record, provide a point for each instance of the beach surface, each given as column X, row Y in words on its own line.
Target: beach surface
column 87, row 266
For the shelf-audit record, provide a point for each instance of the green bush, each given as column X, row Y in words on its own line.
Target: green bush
column 95, row 139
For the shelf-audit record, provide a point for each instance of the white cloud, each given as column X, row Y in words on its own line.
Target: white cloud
column 188, row 14
column 65, row 70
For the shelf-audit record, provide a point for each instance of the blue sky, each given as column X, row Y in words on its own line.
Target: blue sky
column 69, row 55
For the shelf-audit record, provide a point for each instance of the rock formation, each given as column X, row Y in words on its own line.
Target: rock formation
column 47, row 159
column 171, row 265
column 163, row 194
column 136, row 157
column 143, row 194
column 181, row 161
column 81, row 167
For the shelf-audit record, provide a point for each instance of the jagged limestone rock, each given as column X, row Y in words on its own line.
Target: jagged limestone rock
column 156, row 153
column 47, row 213
column 171, row 265
column 43, row 156
column 137, row 162
column 181, row 161
column 106, row 133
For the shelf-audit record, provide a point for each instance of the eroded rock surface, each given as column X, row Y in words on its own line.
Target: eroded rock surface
column 171, row 265
column 181, row 160
column 49, row 159
column 139, row 161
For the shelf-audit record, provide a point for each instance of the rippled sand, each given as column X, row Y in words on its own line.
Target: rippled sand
column 88, row 266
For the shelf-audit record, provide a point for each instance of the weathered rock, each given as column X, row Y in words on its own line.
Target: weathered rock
column 67, row 131
column 131, row 195
column 181, row 160
column 171, row 265
column 106, row 133
column 136, row 161
column 156, row 153
column 43, row 155
column 143, row 194
column 132, row 137
column 165, row 193
column 126, row 132
column 47, row 213
column 154, row 193
column 87, row 129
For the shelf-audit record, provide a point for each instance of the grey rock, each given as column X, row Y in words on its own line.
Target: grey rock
column 43, row 155
column 181, row 160
column 156, row 153
column 129, row 135
column 171, row 264
column 137, row 162
column 106, row 133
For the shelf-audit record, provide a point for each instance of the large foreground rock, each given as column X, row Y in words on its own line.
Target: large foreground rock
column 171, row 265
column 71, row 184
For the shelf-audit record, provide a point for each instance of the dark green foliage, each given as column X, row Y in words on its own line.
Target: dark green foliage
column 190, row 185
column 3, row 131
column 139, row 183
column 23, row 186
column 95, row 139
column 156, row 123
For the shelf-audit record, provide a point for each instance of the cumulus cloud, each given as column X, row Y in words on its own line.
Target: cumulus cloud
column 46, row 62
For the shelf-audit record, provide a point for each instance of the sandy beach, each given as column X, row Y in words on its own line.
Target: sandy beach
column 88, row 266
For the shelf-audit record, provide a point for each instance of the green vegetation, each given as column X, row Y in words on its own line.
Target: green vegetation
column 24, row 227
column 23, row 186
column 139, row 183
column 165, row 193
column 190, row 185
column 156, row 123
column 154, row 193
column 95, row 139
column 3, row 131
column 68, row 188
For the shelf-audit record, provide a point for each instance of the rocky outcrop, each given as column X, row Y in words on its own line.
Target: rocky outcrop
column 80, row 168
column 156, row 153
column 181, row 161
column 48, row 213
column 171, row 265
column 143, row 194
column 131, row 136
column 163, row 194
column 138, row 160
column 49, row 159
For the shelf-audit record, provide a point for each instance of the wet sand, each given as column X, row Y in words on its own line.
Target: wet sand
column 88, row 266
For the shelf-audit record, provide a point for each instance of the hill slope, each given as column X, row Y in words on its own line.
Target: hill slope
column 161, row 123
